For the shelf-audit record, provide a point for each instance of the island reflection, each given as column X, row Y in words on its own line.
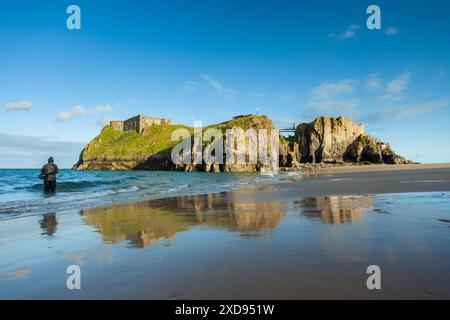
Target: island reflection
column 336, row 209
column 145, row 223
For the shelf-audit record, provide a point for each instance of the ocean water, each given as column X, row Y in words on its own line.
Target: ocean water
column 21, row 191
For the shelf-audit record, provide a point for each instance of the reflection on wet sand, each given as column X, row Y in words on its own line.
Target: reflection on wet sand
column 145, row 223
column 48, row 224
column 336, row 209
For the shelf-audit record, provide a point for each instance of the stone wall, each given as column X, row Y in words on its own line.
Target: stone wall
column 139, row 123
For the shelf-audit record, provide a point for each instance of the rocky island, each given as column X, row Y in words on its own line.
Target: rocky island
column 144, row 143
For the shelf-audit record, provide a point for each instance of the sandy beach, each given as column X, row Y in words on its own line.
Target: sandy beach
column 311, row 237
column 373, row 179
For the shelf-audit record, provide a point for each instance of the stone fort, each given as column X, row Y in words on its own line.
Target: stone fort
column 139, row 123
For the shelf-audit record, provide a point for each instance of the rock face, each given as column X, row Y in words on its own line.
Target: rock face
column 337, row 140
column 118, row 150
column 324, row 141
column 366, row 149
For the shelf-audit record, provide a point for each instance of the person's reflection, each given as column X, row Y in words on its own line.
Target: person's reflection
column 48, row 224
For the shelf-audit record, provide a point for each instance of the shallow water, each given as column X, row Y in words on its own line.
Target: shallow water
column 21, row 192
column 224, row 246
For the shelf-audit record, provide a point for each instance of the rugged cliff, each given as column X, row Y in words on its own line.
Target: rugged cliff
column 336, row 140
column 117, row 150
column 324, row 140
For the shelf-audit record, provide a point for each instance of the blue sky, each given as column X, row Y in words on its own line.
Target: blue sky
column 211, row 60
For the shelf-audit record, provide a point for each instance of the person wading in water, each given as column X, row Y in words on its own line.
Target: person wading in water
column 48, row 173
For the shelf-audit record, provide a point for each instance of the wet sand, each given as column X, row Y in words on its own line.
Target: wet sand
column 311, row 238
column 365, row 180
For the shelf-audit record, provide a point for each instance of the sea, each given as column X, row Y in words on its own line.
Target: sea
column 21, row 190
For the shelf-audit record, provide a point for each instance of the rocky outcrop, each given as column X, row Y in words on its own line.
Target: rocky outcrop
column 117, row 150
column 338, row 140
column 366, row 149
column 324, row 141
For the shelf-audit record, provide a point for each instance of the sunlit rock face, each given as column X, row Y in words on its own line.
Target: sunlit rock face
column 337, row 140
column 326, row 139
column 151, row 149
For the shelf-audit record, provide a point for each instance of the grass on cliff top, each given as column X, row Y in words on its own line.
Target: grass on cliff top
column 115, row 143
column 250, row 121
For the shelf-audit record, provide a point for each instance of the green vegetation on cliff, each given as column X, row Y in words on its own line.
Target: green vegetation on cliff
column 245, row 122
column 111, row 143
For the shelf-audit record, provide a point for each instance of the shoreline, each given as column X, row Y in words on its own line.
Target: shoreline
column 337, row 181
column 269, row 241
column 402, row 179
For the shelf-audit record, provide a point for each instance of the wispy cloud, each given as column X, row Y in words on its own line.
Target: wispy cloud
column 348, row 97
column 190, row 86
column 395, row 89
column 399, row 84
column 328, row 89
column 79, row 111
column 374, row 83
column 348, row 33
column 403, row 112
column 18, row 106
column 330, row 99
column 216, row 85
column 392, row 31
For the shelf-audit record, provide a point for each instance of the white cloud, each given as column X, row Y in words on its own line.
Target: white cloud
column 349, row 33
column 392, row 31
column 399, row 84
column 77, row 111
column 395, row 89
column 326, row 90
column 212, row 82
column 216, row 85
column 325, row 99
column 19, row 105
